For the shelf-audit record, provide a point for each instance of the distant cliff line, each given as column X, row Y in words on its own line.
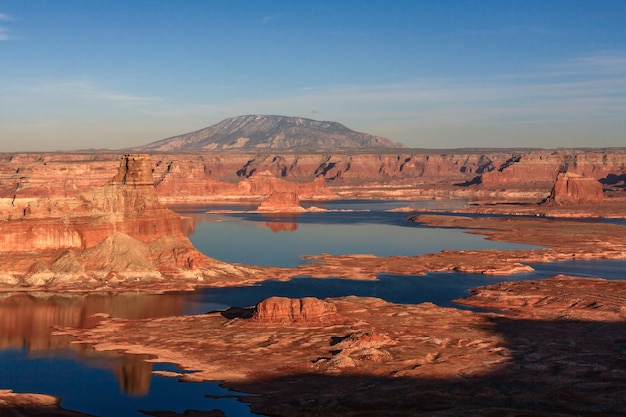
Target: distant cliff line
column 202, row 176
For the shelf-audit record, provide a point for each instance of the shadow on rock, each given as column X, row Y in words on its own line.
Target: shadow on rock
column 558, row 368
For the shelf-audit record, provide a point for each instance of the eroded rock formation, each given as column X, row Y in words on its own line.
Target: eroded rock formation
column 281, row 202
column 113, row 233
column 289, row 310
column 196, row 178
column 571, row 188
column 557, row 298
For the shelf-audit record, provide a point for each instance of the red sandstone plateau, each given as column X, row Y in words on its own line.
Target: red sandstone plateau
column 186, row 178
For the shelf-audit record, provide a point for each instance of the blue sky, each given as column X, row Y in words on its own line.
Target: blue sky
column 78, row 74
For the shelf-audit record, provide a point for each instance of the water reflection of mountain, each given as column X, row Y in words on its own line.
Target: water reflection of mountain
column 28, row 321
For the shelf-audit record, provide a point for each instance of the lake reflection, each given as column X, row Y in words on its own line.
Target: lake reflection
column 33, row 359
column 28, row 321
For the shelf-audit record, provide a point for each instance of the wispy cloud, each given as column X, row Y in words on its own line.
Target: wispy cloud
column 511, row 31
column 66, row 97
column 90, row 91
column 4, row 32
column 270, row 18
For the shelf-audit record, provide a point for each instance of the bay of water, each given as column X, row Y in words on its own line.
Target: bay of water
column 114, row 384
column 281, row 240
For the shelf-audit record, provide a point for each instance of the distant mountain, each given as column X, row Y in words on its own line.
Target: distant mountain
column 256, row 132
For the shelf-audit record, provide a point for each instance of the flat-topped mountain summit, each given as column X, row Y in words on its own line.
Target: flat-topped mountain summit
column 256, row 132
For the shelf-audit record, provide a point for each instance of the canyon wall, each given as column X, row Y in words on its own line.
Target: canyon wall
column 204, row 178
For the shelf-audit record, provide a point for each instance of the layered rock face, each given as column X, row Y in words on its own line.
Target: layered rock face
column 199, row 178
column 572, row 188
column 116, row 232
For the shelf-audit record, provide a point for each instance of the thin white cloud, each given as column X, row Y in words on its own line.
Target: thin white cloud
column 4, row 32
column 511, row 31
column 83, row 91
column 270, row 18
column 603, row 63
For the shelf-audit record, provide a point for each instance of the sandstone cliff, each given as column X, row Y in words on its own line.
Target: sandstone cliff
column 116, row 233
column 198, row 178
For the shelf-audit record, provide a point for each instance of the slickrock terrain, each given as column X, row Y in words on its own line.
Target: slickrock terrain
column 27, row 405
column 557, row 298
column 367, row 357
column 117, row 233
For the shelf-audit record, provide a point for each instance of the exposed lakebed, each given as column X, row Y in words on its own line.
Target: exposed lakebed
column 33, row 360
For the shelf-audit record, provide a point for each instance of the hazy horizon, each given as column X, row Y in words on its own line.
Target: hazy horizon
column 440, row 75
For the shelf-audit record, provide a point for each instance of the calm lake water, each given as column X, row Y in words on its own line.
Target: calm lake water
column 281, row 240
column 113, row 384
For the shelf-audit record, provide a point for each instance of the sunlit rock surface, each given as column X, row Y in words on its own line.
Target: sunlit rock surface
column 14, row 404
column 287, row 310
column 376, row 358
column 482, row 174
column 281, row 202
column 560, row 298
column 115, row 233
column 572, row 188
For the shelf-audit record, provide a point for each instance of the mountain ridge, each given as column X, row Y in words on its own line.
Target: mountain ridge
column 257, row 132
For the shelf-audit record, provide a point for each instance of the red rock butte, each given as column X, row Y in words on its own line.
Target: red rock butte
column 290, row 310
column 571, row 188
column 281, row 201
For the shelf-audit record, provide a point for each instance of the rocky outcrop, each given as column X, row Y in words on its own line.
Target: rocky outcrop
column 558, row 298
column 110, row 235
column 292, row 310
column 281, row 202
column 571, row 188
column 15, row 404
